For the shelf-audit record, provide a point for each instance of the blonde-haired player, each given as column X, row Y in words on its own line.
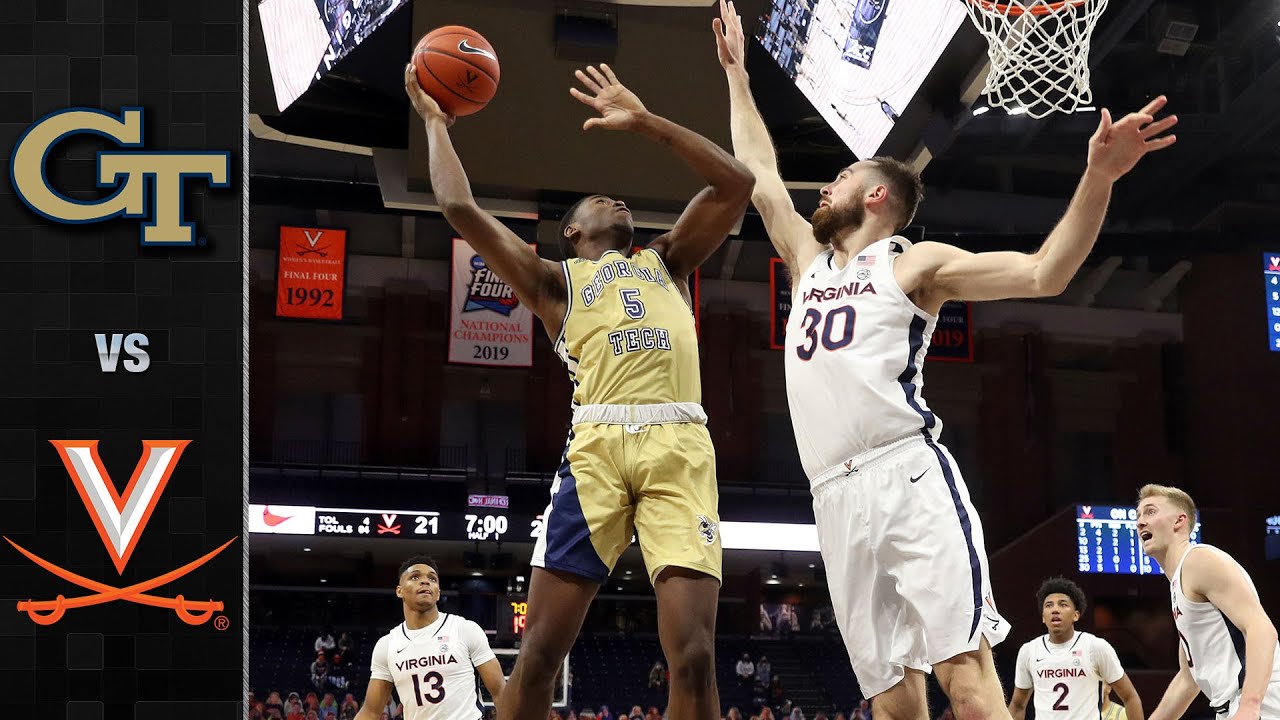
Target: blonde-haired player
column 638, row 455
column 1227, row 644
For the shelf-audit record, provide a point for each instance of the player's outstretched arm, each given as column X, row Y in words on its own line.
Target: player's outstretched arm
column 1018, row 703
column 537, row 282
column 494, row 682
column 1178, row 696
column 946, row 273
column 791, row 234
column 1218, row 579
column 1128, row 695
column 707, row 220
column 375, row 700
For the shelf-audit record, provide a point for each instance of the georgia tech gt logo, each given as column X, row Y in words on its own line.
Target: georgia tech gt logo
column 126, row 170
column 120, row 520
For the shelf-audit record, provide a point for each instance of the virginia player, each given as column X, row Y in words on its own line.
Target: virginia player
column 898, row 533
column 1069, row 671
column 1227, row 645
column 432, row 658
column 638, row 456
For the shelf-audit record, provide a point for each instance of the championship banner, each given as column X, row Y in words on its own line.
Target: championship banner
column 488, row 325
column 695, row 294
column 952, row 336
column 780, row 292
column 311, row 273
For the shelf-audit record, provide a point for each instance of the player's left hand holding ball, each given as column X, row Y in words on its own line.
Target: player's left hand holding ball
column 1116, row 147
column 619, row 108
column 424, row 104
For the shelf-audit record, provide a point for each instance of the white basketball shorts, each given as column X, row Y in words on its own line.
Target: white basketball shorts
column 905, row 559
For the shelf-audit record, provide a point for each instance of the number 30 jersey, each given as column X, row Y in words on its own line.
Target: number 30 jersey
column 855, row 348
column 433, row 668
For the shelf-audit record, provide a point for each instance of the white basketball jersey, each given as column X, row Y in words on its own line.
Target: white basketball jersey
column 855, row 348
column 1067, row 679
column 1214, row 646
column 433, row 668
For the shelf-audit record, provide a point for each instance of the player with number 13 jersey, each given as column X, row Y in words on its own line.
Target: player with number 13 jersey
column 432, row 658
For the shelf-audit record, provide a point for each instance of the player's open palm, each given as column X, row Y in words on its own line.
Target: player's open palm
column 731, row 44
column 1116, row 147
column 619, row 108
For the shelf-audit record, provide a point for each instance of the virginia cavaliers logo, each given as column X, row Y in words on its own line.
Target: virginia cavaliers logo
column 486, row 291
column 312, row 244
column 120, row 520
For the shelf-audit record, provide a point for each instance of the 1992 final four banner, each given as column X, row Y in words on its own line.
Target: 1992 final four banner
column 122, row 384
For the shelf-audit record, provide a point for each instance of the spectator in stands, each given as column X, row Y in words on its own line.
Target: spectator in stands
column 764, row 671
column 273, row 704
column 766, row 713
column 293, row 708
column 324, row 642
column 554, row 715
column 733, row 714
column 338, row 672
column 344, row 643
column 604, row 713
column 350, row 702
column 746, row 670
column 839, row 716
column 320, row 672
column 573, row 715
column 658, row 676
column 797, row 714
column 865, row 707
column 637, row 713
column 777, row 694
column 587, row 714
column 329, row 707
column 819, row 715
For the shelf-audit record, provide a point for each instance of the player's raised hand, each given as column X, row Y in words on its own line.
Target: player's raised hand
column 619, row 108
column 425, row 105
column 1116, row 147
column 731, row 44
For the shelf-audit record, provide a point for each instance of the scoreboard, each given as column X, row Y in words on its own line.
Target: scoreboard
column 1107, row 541
column 475, row 524
column 1271, row 275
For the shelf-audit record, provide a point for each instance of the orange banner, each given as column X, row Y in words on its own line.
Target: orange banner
column 311, row 273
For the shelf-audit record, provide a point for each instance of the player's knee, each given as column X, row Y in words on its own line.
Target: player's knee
column 539, row 663
column 970, row 700
column 693, row 663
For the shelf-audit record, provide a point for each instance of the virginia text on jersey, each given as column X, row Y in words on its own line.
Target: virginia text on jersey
column 158, row 203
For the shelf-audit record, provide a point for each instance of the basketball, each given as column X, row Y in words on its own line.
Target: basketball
column 458, row 68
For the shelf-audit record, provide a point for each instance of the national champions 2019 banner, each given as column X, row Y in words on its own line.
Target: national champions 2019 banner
column 488, row 325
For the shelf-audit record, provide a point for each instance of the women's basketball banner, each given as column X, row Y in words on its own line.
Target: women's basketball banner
column 780, row 293
column 312, row 273
column 488, row 325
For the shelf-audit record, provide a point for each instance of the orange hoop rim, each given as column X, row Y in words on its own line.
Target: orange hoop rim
column 1012, row 10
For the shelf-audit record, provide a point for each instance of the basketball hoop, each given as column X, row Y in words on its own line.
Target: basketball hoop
column 1039, row 52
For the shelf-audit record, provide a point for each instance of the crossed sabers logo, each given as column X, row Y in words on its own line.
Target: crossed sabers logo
column 120, row 520
column 311, row 242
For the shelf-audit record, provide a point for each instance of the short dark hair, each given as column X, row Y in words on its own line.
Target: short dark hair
column 906, row 189
column 418, row 560
column 566, row 247
column 1061, row 585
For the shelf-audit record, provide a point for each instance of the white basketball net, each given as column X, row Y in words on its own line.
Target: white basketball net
column 1039, row 52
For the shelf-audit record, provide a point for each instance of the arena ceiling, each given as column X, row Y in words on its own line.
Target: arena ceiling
column 1219, row 63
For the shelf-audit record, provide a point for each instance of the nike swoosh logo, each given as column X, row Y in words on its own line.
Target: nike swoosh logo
column 272, row 519
column 917, row 478
column 406, row 647
column 467, row 47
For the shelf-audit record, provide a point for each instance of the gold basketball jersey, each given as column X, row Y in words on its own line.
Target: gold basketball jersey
column 628, row 336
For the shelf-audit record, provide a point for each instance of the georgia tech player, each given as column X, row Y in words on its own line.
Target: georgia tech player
column 901, row 540
column 1068, row 670
column 638, row 455
column 1227, row 645
column 432, row 658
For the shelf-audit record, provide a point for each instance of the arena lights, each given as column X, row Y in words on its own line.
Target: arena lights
column 981, row 110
